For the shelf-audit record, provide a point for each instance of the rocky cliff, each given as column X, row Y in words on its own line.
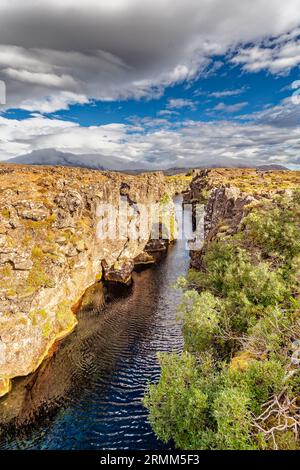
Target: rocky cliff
column 229, row 195
column 50, row 253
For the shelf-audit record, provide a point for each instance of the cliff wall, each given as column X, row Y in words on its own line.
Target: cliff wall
column 50, row 253
column 230, row 194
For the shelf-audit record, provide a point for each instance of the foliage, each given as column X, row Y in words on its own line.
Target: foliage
column 200, row 319
column 183, row 411
column 235, row 386
column 276, row 229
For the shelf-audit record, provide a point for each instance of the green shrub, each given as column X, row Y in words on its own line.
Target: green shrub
column 200, row 319
column 276, row 229
column 178, row 408
column 231, row 410
column 240, row 316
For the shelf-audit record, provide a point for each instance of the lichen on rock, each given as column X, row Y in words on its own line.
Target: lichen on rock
column 50, row 253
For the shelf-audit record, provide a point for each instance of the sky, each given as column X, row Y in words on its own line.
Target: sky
column 161, row 83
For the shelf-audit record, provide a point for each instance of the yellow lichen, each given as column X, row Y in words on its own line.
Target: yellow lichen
column 241, row 361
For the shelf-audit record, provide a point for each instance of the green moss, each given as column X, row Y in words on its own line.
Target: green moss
column 11, row 293
column 5, row 213
column 37, row 253
column 6, row 270
column 38, row 316
column 64, row 314
column 47, row 329
column 38, row 278
column 165, row 199
column 5, row 275
column 40, row 225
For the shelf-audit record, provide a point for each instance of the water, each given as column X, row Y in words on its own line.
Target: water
column 88, row 394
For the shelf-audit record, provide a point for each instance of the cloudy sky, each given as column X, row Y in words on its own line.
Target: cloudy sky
column 159, row 82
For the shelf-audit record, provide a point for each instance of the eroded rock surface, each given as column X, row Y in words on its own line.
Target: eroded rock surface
column 229, row 194
column 50, row 253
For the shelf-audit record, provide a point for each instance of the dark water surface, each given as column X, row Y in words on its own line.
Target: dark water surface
column 88, row 394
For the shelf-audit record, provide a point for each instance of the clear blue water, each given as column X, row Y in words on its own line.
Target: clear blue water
column 88, row 395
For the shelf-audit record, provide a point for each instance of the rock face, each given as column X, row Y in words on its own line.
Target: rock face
column 225, row 209
column 229, row 195
column 50, row 252
column 179, row 184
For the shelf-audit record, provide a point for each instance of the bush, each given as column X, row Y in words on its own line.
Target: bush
column 240, row 316
column 231, row 410
column 200, row 319
column 178, row 408
column 276, row 229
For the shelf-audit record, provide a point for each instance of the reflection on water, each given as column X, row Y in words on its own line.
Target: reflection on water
column 88, row 394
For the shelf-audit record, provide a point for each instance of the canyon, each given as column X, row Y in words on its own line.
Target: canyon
column 58, row 276
column 50, row 253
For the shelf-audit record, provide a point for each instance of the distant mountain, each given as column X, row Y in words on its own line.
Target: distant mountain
column 100, row 162
column 56, row 158
column 271, row 167
column 174, row 171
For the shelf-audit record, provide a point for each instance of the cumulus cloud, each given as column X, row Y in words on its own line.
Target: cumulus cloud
column 286, row 115
column 167, row 112
column 278, row 57
column 54, row 54
column 177, row 103
column 127, row 48
column 53, row 103
column 159, row 143
column 230, row 108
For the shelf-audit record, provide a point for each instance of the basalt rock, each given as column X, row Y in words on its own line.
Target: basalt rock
column 228, row 195
column 51, row 252
column 143, row 259
column 120, row 271
column 157, row 246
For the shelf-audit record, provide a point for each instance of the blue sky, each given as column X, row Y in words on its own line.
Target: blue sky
column 253, row 91
column 159, row 84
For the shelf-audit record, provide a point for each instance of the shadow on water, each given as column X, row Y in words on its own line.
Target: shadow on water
column 88, row 394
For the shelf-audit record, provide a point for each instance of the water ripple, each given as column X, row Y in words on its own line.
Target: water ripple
column 89, row 394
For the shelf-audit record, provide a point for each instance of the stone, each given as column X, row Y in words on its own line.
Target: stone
column 53, row 260
column 120, row 272
column 23, row 264
column 34, row 214
column 5, row 386
column 144, row 258
column 2, row 240
column 80, row 246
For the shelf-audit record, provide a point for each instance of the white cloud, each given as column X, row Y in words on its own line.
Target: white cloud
column 158, row 143
column 230, row 108
column 167, row 112
column 53, row 103
column 127, row 48
column 178, row 103
column 277, row 59
column 39, row 78
column 226, row 93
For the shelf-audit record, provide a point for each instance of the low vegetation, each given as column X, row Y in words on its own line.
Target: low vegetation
column 237, row 383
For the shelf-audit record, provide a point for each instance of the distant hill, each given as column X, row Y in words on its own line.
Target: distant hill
column 271, row 167
column 100, row 162
column 56, row 158
column 174, row 171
